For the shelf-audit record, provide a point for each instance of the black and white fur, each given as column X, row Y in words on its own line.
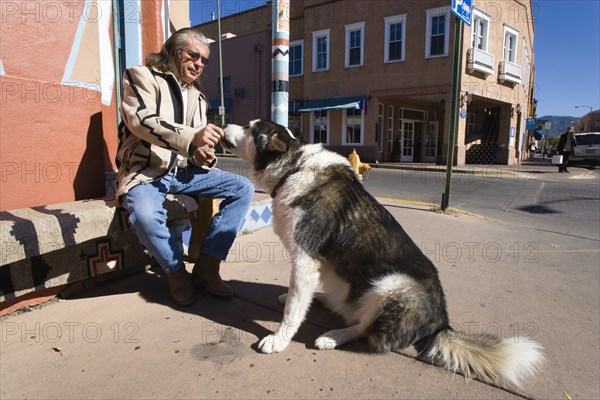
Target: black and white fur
column 345, row 243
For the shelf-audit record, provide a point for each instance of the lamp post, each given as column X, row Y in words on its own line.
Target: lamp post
column 589, row 116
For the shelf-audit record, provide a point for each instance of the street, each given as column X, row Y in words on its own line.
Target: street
column 530, row 196
column 533, row 198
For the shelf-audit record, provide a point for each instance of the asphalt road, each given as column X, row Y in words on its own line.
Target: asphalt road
column 533, row 197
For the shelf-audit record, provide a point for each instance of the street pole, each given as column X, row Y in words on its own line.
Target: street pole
column 457, row 58
column 222, row 106
column 280, row 63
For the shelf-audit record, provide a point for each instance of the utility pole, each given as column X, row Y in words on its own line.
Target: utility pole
column 457, row 62
column 220, row 39
column 462, row 11
column 280, row 63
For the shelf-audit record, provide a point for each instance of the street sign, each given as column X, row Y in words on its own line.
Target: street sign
column 539, row 124
column 462, row 9
column 530, row 125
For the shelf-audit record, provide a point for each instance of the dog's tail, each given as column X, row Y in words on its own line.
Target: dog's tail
column 485, row 357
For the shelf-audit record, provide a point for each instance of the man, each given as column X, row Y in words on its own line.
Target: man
column 167, row 146
column 566, row 147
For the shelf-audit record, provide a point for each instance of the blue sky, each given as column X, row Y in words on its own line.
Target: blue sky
column 566, row 46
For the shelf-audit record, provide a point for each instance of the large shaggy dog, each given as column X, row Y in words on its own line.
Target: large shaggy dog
column 343, row 241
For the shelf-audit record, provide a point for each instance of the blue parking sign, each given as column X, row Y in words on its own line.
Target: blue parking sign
column 462, row 9
column 530, row 125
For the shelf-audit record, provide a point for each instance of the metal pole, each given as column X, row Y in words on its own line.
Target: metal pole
column 453, row 107
column 280, row 63
column 222, row 106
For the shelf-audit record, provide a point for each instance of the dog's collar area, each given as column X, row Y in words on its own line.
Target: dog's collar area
column 284, row 178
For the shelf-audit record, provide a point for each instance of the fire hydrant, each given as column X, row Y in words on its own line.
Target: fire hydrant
column 358, row 166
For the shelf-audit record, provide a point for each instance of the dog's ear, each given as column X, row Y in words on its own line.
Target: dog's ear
column 271, row 142
column 277, row 144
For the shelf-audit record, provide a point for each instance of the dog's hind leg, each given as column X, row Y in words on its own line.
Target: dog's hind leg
column 304, row 281
column 337, row 337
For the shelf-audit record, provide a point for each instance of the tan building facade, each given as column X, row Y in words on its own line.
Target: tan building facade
column 376, row 75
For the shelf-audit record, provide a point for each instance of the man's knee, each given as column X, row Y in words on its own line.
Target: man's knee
column 147, row 217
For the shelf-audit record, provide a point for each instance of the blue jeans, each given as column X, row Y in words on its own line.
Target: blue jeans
column 148, row 216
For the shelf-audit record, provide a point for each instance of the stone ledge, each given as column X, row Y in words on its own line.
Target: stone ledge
column 49, row 246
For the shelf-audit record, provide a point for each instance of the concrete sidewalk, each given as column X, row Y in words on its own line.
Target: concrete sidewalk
column 126, row 340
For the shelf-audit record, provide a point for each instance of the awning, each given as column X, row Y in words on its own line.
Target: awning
column 341, row 103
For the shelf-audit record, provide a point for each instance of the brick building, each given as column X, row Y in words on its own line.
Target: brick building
column 375, row 75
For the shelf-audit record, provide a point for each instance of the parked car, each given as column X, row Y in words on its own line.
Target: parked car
column 588, row 148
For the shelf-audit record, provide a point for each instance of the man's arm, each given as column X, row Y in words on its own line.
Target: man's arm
column 138, row 110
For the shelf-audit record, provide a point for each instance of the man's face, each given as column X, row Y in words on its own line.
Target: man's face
column 191, row 60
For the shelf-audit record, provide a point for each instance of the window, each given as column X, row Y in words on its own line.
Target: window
column 320, row 121
column 437, row 32
column 510, row 44
column 296, row 57
column 480, row 27
column 321, row 50
column 355, row 39
column 226, row 86
column 395, row 33
column 353, row 121
column 295, row 124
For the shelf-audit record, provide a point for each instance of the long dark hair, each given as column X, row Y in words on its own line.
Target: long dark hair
column 166, row 59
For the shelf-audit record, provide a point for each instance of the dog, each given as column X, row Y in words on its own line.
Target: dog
column 369, row 270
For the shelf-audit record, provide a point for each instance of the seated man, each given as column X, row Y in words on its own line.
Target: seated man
column 167, row 146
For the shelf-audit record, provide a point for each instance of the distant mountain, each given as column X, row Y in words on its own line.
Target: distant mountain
column 559, row 124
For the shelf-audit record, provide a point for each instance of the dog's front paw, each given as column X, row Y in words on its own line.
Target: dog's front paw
column 272, row 344
column 325, row 342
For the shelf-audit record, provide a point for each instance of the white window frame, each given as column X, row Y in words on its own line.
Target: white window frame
column 315, row 36
column 506, row 56
column 485, row 20
column 359, row 26
column 345, row 125
column 312, row 128
column 434, row 12
column 301, row 44
column 389, row 21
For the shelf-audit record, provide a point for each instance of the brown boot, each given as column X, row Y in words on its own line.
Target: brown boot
column 205, row 275
column 181, row 288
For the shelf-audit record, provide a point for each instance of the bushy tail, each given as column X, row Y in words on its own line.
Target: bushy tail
column 485, row 357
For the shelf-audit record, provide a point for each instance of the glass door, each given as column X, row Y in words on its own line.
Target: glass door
column 430, row 142
column 407, row 139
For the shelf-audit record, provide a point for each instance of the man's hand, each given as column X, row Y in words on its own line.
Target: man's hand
column 209, row 136
column 204, row 156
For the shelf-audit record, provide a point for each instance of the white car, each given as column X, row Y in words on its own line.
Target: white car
column 588, row 148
